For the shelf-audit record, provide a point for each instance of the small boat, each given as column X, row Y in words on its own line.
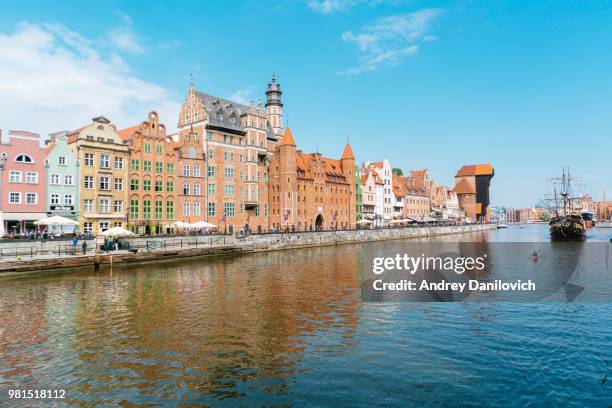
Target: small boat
column 502, row 226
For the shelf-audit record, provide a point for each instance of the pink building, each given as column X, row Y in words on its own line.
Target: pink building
column 22, row 182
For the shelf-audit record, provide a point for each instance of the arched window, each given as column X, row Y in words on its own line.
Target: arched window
column 192, row 153
column 24, row 158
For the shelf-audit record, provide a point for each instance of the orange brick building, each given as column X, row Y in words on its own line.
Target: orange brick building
column 191, row 177
column 311, row 192
column 472, row 187
column 152, row 177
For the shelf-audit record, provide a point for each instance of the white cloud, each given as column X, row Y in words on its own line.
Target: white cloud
column 389, row 40
column 123, row 38
column 332, row 6
column 243, row 96
column 51, row 78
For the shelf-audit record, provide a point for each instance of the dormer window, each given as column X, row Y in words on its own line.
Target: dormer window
column 100, row 127
column 219, row 115
column 232, row 119
column 24, row 158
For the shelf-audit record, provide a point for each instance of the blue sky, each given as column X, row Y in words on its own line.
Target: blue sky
column 522, row 85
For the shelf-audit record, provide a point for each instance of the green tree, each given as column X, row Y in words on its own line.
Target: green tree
column 545, row 217
column 397, row 171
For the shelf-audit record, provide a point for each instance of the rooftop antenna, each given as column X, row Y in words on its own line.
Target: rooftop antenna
column 191, row 81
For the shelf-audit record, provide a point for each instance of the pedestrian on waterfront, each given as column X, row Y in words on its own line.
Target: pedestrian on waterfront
column 84, row 247
column 75, row 241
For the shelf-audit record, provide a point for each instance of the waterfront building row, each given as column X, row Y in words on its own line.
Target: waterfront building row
column 230, row 164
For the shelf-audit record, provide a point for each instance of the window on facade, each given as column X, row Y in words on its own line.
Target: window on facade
column 68, row 199
column 88, row 227
column 229, row 209
column 210, row 136
column 88, row 205
column 118, row 162
column 159, row 185
column 88, row 182
column 186, row 171
column 24, row 158
column 104, row 183
column 89, row 159
column 159, row 167
column 118, row 206
column 185, row 209
column 211, row 154
column 135, row 164
column 119, row 184
column 159, row 148
column 68, row 180
column 55, row 198
column 104, row 161
column 31, row 198
column 170, row 210
column 146, row 165
column 147, row 148
column 211, row 209
column 196, row 209
column 229, row 190
column 146, row 185
column 15, row 198
column 103, row 226
column 196, row 171
column 61, row 160
column 170, row 168
column 134, row 209
column 211, row 171
column 55, row 179
column 196, row 189
column 146, row 209
column 229, row 173
column 134, row 184
column 185, row 189
column 104, row 205
column 192, row 153
column 159, row 210
column 211, row 189
column 15, row 177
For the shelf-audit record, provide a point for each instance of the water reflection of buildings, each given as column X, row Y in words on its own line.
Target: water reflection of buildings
column 207, row 327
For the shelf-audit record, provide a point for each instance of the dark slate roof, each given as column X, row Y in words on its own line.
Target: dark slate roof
column 215, row 106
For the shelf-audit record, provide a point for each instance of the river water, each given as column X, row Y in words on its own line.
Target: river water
column 290, row 328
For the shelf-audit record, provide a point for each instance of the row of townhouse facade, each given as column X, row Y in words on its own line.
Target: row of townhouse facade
column 387, row 195
column 230, row 164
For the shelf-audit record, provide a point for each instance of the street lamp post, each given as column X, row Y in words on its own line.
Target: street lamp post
column 2, row 163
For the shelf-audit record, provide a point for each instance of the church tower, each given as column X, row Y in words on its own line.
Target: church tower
column 274, row 106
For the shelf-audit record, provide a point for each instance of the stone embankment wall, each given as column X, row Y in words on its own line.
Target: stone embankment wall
column 165, row 248
column 272, row 242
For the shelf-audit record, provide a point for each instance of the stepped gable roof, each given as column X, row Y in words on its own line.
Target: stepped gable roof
column 348, row 153
column 378, row 165
column 415, row 187
column 475, row 170
column 331, row 167
column 288, row 139
column 463, row 187
column 420, row 174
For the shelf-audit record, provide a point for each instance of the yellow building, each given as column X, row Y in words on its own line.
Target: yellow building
column 103, row 160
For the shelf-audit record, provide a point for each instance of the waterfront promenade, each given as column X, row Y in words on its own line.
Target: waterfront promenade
column 51, row 255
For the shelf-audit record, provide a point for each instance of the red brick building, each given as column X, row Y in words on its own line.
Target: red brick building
column 309, row 191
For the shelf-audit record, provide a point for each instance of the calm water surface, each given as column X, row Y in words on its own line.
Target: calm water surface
column 289, row 328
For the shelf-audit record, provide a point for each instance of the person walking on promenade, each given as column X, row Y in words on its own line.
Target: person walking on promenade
column 84, row 247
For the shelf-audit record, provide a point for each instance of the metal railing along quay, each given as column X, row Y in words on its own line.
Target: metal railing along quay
column 17, row 252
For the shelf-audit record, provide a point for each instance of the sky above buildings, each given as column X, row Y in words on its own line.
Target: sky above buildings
column 525, row 86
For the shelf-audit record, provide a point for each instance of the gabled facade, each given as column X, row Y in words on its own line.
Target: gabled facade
column 385, row 172
column 191, row 172
column 152, row 177
column 22, row 183
column 237, row 140
column 62, row 168
column 103, row 159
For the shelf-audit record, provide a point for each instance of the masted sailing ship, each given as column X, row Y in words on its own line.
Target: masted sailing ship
column 567, row 223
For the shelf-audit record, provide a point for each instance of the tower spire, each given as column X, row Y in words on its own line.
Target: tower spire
column 191, row 81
